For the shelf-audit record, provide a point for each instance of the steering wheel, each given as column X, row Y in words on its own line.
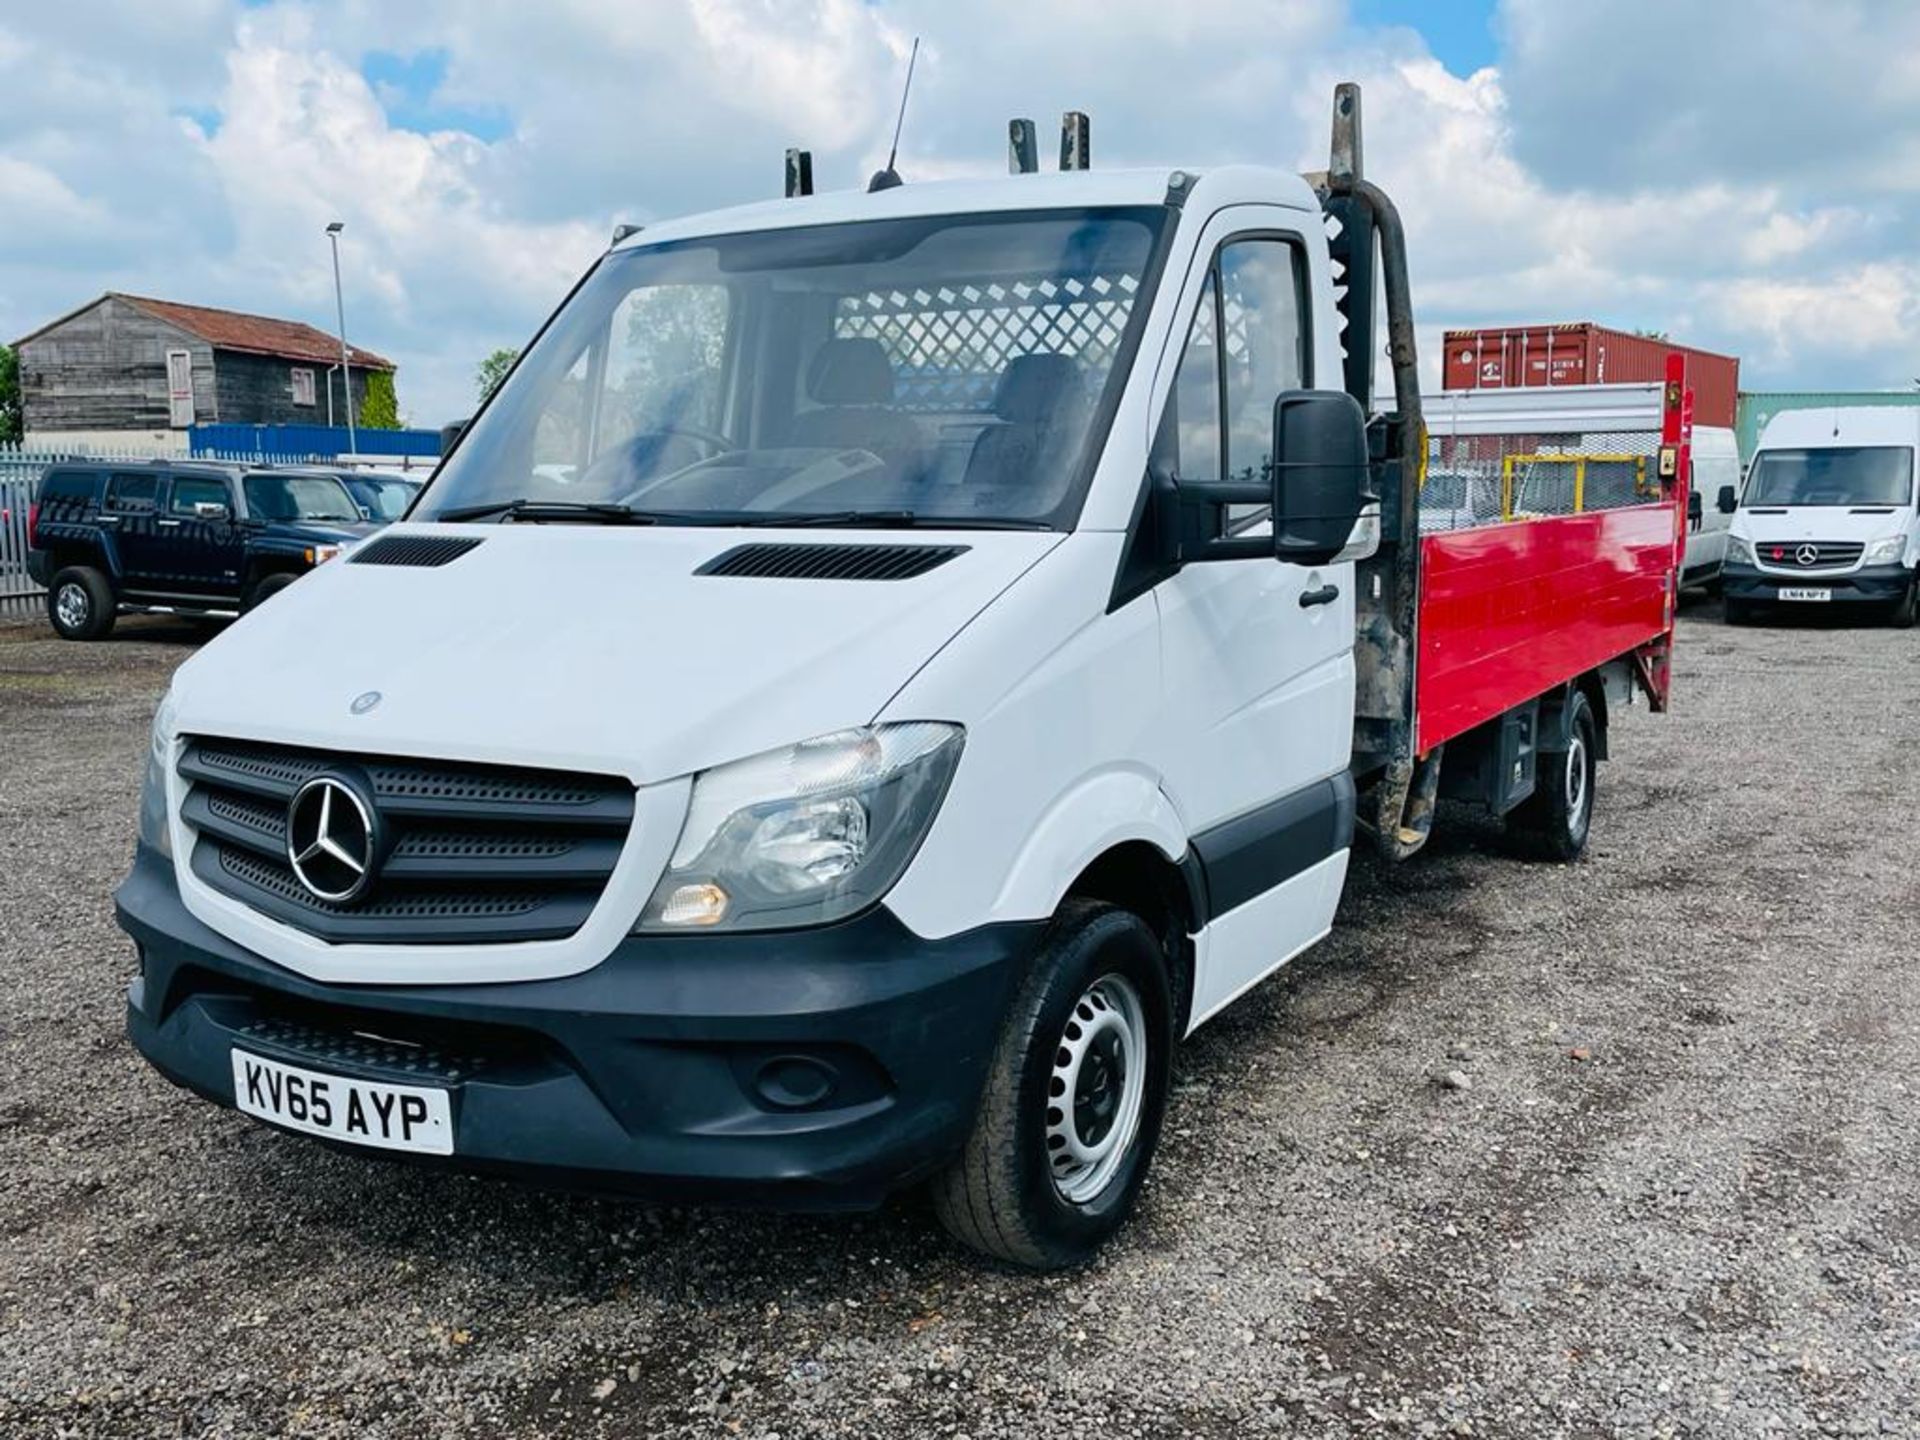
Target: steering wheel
column 624, row 454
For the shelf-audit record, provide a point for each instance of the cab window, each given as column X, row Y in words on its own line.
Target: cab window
column 1245, row 346
column 133, row 494
column 191, row 492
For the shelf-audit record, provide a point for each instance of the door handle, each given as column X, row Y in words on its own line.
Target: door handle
column 1325, row 595
column 170, row 524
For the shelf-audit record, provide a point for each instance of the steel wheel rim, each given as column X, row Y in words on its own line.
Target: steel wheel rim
column 71, row 605
column 1097, row 1089
column 1577, row 779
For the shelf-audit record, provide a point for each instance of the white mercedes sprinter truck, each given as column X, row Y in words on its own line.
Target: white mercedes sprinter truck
column 1830, row 516
column 882, row 669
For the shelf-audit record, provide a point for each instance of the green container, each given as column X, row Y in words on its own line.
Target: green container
column 1757, row 407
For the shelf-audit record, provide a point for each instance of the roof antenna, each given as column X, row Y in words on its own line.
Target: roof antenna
column 888, row 178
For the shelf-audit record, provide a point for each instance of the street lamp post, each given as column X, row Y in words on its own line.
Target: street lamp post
column 340, row 311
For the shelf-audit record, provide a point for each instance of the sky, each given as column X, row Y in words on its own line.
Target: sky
column 1743, row 175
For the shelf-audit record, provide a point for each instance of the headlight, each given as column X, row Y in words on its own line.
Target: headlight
column 1885, row 551
column 1739, row 551
column 154, row 832
column 804, row 835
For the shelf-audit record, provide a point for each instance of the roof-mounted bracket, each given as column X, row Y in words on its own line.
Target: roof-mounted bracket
column 1076, row 137
column 799, row 173
column 1023, row 148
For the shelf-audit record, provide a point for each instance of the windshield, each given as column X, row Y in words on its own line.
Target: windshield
column 384, row 499
column 299, row 497
column 955, row 368
column 1841, row 475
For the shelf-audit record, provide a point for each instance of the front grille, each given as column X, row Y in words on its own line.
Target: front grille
column 475, row 853
column 1807, row 554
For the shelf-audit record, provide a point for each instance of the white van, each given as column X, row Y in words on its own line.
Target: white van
column 1830, row 515
column 1712, row 502
column 975, row 623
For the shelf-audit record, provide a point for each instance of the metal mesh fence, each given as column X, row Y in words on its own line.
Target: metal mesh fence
column 1475, row 479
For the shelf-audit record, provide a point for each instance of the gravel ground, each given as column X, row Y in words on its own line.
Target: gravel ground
column 1624, row 1148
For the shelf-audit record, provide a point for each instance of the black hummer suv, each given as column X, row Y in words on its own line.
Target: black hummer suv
column 177, row 537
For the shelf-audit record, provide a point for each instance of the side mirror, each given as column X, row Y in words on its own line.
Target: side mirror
column 1728, row 501
column 450, row 434
column 212, row 510
column 1695, row 510
column 1321, row 475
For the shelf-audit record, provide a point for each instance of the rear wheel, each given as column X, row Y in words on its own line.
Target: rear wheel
column 1074, row 1097
column 1554, row 821
column 80, row 604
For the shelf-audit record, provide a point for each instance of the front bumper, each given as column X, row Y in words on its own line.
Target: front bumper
column 680, row 1067
column 1869, row 585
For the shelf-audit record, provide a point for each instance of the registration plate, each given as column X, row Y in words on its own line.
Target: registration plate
column 362, row 1112
column 1805, row 592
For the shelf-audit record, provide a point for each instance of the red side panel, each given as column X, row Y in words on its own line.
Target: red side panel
column 1508, row 612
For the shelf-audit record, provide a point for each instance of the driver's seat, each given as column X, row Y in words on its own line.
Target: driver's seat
column 850, row 381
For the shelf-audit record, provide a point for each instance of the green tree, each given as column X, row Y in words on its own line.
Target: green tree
column 379, row 407
column 492, row 371
column 12, row 418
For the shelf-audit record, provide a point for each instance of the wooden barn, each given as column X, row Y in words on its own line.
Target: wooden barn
column 125, row 363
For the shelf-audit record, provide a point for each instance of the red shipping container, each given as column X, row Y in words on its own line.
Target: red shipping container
column 1536, row 356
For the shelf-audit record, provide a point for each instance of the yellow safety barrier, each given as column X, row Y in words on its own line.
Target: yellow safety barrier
column 1579, row 462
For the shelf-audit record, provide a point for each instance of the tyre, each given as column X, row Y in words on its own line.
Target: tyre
column 1715, row 586
column 264, row 589
column 1553, row 822
column 80, row 604
column 1740, row 612
column 1906, row 610
column 1074, row 1097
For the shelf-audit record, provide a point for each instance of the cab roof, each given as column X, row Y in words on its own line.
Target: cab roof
column 1062, row 190
column 1830, row 426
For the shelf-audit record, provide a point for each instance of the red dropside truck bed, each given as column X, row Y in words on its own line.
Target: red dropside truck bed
column 1511, row 611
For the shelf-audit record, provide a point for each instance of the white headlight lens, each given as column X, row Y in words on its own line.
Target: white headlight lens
column 807, row 834
column 1739, row 551
column 1885, row 551
column 154, row 831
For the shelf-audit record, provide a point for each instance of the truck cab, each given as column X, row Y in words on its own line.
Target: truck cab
column 1830, row 516
column 881, row 670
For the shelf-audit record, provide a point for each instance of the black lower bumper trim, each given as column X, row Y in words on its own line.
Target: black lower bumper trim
column 1869, row 585
column 816, row 1069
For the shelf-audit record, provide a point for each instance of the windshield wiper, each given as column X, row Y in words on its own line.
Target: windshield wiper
column 596, row 512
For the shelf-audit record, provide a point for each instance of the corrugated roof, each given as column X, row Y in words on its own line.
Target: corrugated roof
column 236, row 330
column 258, row 334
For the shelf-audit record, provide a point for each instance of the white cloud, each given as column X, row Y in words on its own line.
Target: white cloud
column 1747, row 186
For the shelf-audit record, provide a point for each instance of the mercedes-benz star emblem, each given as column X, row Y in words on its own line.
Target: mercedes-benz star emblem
column 1807, row 554
column 333, row 839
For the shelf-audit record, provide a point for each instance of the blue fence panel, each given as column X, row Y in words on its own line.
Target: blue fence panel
column 311, row 442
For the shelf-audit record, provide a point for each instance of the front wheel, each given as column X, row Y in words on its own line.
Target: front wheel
column 1554, row 821
column 1074, row 1097
column 264, row 589
column 1907, row 609
column 1740, row 612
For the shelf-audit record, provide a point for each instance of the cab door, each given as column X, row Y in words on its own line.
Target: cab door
column 207, row 539
column 1257, row 655
column 131, row 517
